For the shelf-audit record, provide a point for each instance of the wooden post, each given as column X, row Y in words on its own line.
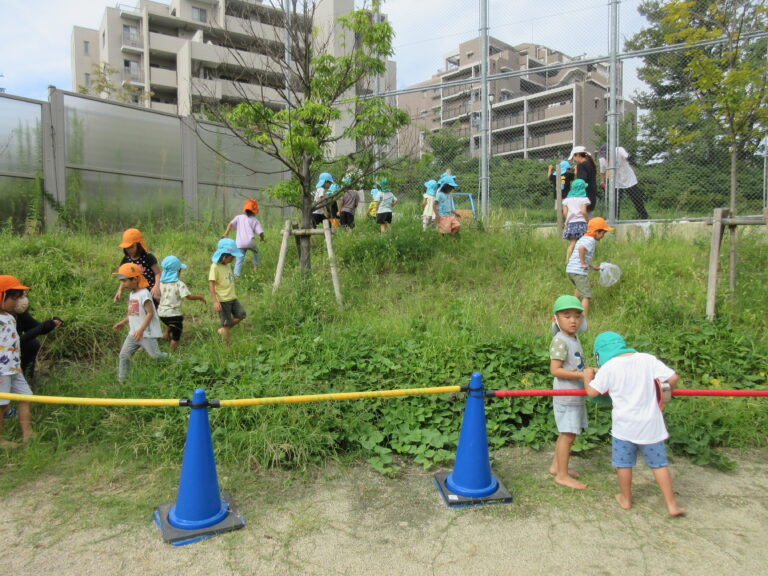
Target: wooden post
column 281, row 258
column 332, row 262
column 714, row 259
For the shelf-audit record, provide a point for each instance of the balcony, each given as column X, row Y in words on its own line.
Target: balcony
column 249, row 28
column 163, row 77
column 218, row 89
column 552, row 139
column 507, row 146
column 132, row 42
column 550, row 113
column 500, row 122
column 133, row 76
column 164, row 44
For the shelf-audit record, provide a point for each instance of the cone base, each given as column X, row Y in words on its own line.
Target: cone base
column 178, row 537
column 453, row 500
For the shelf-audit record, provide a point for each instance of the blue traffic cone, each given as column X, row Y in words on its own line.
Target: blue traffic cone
column 200, row 511
column 471, row 481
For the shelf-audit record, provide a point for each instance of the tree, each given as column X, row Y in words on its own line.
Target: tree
column 102, row 85
column 310, row 98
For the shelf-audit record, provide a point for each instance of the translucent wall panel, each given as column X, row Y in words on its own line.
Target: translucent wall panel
column 20, row 145
column 109, row 137
column 224, row 159
column 115, row 202
column 217, row 205
column 21, row 201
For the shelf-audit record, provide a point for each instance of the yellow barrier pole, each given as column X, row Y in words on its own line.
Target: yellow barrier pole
column 339, row 396
column 92, row 401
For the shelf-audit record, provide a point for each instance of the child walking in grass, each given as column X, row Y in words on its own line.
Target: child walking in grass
column 144, row 326
column 221, row 284
column 575, row 215
column 172, row 292
column 580, row 262
column 447, row 217
column 135, row 252
column 566, row 364
column 247, row 227
column 12, row 380
column 428, row 203
column 387, row 201
column 637, row 423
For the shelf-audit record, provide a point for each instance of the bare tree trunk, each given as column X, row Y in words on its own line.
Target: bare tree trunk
column 305, row 258
column 732, row 229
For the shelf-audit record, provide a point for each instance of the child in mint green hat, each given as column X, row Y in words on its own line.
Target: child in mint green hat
column 637, row 423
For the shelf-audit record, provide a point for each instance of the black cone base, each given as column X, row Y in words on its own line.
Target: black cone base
column 178, row 537
column 452, row 500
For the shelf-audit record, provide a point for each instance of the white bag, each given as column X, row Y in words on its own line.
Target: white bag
column 609, row 274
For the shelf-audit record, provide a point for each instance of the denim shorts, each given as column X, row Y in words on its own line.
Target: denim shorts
column 624, row 454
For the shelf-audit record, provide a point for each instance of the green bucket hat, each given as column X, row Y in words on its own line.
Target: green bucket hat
column 608, row 345
column 567, row 302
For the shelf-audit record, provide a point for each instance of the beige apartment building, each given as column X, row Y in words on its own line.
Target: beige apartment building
column 539, row 114
column 177, row 56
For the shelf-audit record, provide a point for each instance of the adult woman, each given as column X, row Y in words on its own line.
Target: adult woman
column 585, row 169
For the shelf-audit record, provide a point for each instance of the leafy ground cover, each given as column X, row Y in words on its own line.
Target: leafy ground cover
column 419, row 311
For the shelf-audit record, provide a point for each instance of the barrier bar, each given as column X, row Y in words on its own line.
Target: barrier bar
column 677, row 392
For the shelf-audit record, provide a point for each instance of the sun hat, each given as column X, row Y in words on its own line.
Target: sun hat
column 578, row 189
column 383, row 185
column 226, row 246
column 132, row 236
column 431, row 186
column 251, row 205
column 323, row 178
column 171, row 266
column 447, row 179
column 596, row 224
column 566, row 302
column 131, row 270
column 10, row 283
column 564, row 166
column 608, row 345
column 578, row 150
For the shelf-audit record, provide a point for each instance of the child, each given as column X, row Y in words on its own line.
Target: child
column 447, row 217
column 324, row 183
column 387, row 201
column 349, row 203
column 636, row 419
column 566, row 364
column 428, row 203
column 11, row 376
column 575, row 215
column 144, row 327
column 374, row 205
column 566, row 177
column 172, row 291
column 135, row 252
column 580, row 262
column 247, row 227
column 221, row 284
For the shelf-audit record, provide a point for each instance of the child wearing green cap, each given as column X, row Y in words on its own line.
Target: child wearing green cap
column 566, row 364
column 637, row 423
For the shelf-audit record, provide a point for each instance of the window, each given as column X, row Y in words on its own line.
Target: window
column 103, row 39
column 199, row 14
column 86, row 48
column 130, row 34
column 87, row 80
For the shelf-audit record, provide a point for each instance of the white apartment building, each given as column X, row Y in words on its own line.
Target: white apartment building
column 539, row 114
column 179, row 55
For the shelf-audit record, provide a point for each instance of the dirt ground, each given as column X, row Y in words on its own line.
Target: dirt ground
column 352, row 521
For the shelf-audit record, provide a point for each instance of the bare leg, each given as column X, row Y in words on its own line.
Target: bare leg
column 663, row 479
column 25, row 421
column 624, row 476
column 174, row 345
column 560, row 462
column 569, row 250
column 224, row 333
column 585, row 305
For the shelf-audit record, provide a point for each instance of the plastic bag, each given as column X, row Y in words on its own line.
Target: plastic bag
column 609, row 274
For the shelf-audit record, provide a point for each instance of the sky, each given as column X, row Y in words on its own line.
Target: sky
column 425, row 31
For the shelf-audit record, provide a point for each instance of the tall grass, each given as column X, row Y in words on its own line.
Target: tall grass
column 420, row 310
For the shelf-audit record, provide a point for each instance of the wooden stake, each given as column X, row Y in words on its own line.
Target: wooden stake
column 714, row 259
column 281, row 258
column 332, row 262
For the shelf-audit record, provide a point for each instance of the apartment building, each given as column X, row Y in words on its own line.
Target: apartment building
column 177, row 56
column 542, row 113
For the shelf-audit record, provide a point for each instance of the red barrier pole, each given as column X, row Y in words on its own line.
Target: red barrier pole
column 681, row 392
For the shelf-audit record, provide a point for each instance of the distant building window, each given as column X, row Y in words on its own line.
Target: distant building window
column 199, row 14
column 87, row 80
column 103, row 39
column 86, row 48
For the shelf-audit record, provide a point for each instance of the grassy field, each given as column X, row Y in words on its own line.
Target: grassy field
column 419, row 310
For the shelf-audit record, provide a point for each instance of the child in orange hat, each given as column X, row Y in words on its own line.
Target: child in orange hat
column 11, row 376
column 580, row 261
column 135, row 252
column 142, row 319
column 247, row 227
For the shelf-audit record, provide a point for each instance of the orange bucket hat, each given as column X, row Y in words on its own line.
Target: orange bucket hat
column 131, row 270
column 251, row 205
column 130, row 237
column 596, row 224
column 10, row 283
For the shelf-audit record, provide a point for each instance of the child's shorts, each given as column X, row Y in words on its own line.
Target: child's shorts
column 15, row 384
column 570, row 419
column 175, row 326
column 624, row 454
column 384, row 218
column 581, row 281
column 574, row 230
column 448, row 225
column 230, row 310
